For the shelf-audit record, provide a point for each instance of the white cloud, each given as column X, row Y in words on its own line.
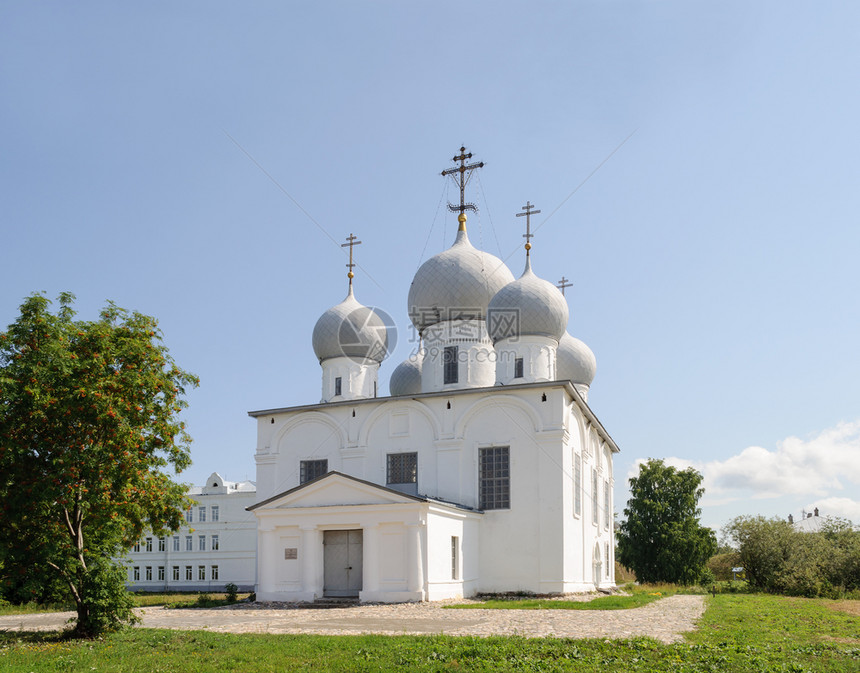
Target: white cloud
column 823, row 471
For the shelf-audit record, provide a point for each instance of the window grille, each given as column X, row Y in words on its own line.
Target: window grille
column 311, row 469
column 449, row 361
column 338, row 385
column 606, row 512
column 595, row 487
column 495, row 476
column 518, row 368
column 455, row 557
column 402, row 468
column 577, row 484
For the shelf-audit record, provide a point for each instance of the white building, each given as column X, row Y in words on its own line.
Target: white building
column 485, row 471
column 216, row 546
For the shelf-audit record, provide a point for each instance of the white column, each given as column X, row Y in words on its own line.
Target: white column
column 265, row 566
column 370, row 544
column 310, row 562
column 415, row 581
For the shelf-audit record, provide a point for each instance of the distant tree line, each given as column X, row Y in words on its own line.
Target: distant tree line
column 777, row 558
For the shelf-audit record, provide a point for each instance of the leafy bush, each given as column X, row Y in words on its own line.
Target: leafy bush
column 232, row 592
column 721, row 565
column 106, row 606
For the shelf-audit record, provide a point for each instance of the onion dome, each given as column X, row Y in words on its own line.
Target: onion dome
column 406, row 378
column 529, row 306
column 456, row 284
column 575, row 361
column 352, row 330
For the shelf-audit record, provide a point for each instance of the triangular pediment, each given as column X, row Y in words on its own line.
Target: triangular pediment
column 336, row 489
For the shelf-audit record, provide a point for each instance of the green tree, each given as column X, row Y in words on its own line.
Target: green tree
column 661, row 539
column 88, row 427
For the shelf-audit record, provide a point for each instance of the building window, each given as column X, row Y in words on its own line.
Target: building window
column 201, row 543
column 518, row 368
column 188, row 573
column 215, row 544
column 215, row 513
column 189, row 515
column 149, row 573
column 606, row 551
column 455, row 557
column 338, row 385
column 214, row 574
column 137, row 546
column 311, row 469
column 401, row 468
column 449, row 362
column 149, row 544
column 189, row 543
column 595, row 498
column 136, row 573
column 495, row 487
column 606, row 506
column 160, row 573
column 176, row 544
column 201, row 514
column 577, row 484
column 161, row 544
column 201, row 572
column 175, row 573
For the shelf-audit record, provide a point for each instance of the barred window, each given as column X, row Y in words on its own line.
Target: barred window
column 606, row 550
column 606, row 505
column 338, row 385
column 495, row 475
column 402, row 468
column 455, row 557
column 215, row 513
column 595, row 499
column 518, row 368
column 175, row 573
column 311, row 469
column 449, row 361
column 577, row 484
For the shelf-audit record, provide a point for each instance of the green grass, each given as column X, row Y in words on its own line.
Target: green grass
column 141, row 600
column 639, row 596
column 740, row 633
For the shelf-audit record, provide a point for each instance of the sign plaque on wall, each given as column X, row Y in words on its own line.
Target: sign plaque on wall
column 291, row 553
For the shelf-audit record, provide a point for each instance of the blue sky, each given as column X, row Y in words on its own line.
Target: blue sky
column 195, row 161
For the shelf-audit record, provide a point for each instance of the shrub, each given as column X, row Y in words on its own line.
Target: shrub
column 721, row 565
column 232, row 592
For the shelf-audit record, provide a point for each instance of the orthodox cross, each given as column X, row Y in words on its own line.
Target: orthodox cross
column 529, row 208
column 350, row 242
column 461, row 175
column 563, row 283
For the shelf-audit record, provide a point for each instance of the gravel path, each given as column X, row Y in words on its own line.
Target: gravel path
column 665, row 620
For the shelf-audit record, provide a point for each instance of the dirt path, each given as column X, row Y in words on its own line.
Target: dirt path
column 665, row 620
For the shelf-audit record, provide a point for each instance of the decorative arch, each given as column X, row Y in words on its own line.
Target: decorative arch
column 494, row 402
column 596, row 565
column 309, row 417
column 385, row 409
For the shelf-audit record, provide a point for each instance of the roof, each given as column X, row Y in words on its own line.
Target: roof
column 385, row 489
column 567, row 385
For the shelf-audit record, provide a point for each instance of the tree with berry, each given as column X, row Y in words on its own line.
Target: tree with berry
column 89, row 433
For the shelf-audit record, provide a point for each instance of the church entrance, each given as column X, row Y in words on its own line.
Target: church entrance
column 342, row 562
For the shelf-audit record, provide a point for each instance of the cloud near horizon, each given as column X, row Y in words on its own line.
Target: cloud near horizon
column 823, row 470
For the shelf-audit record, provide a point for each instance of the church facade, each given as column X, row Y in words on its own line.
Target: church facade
column 484, row 471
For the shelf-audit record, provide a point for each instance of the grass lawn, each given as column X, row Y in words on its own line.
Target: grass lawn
column 141, row 600
column 639, row 596
column 741, row 632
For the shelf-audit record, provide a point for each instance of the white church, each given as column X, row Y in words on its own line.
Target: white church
column 484, row 471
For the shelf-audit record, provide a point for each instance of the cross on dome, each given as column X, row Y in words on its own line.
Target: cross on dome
column 529, row 208
column 563, row 283
column 350, row 243
column 461, row 175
